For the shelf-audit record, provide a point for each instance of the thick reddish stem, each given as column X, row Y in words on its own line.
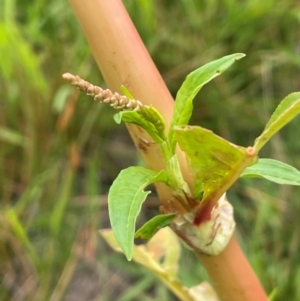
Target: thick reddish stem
column 232, row 276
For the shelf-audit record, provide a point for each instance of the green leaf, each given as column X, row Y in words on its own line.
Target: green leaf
column 126, row 92
column 153, row 116
column 153, row 225
column 150, row 114
column 214, row 161
column 191, row 86
column 274, row 171
column 138, row 118
column 125, row 199
column 198, row 190
column 288, row 109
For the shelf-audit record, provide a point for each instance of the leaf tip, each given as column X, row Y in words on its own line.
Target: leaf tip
column 118, row 118
column 128, row 257
column 239, row 56
column 128, row 250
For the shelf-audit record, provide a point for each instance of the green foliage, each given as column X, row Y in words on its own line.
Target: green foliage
column 274, row 171
column 213, row 161
column 287, row 110
column 125, row 199
column 126, row 92
column 153, row 116
column 191, row 86
column 40, row 40
column 153, row 225
column 148, row 118
column 151, row 120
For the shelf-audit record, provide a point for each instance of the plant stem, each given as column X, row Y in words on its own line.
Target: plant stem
column 124, row 60
column 176, row 179
column 232, row 275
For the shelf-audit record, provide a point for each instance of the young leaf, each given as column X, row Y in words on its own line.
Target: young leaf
column 125, row 199
column 148, row 118
column 214, row 161
column 153, row 116
column 150, row 114
column 136, row 118
column 284, row 113
column 274, row 171
column 126, row 92
column 191, row 86
column 153, row 225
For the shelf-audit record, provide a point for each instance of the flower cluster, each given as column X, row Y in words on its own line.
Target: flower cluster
column 115, row 100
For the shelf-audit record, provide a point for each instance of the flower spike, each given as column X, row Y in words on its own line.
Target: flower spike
column 115, row 100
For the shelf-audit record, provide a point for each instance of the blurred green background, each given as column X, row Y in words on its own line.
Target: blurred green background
column 60, row 151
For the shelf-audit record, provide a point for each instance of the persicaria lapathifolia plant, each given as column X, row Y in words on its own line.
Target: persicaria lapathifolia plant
column 200, row 215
